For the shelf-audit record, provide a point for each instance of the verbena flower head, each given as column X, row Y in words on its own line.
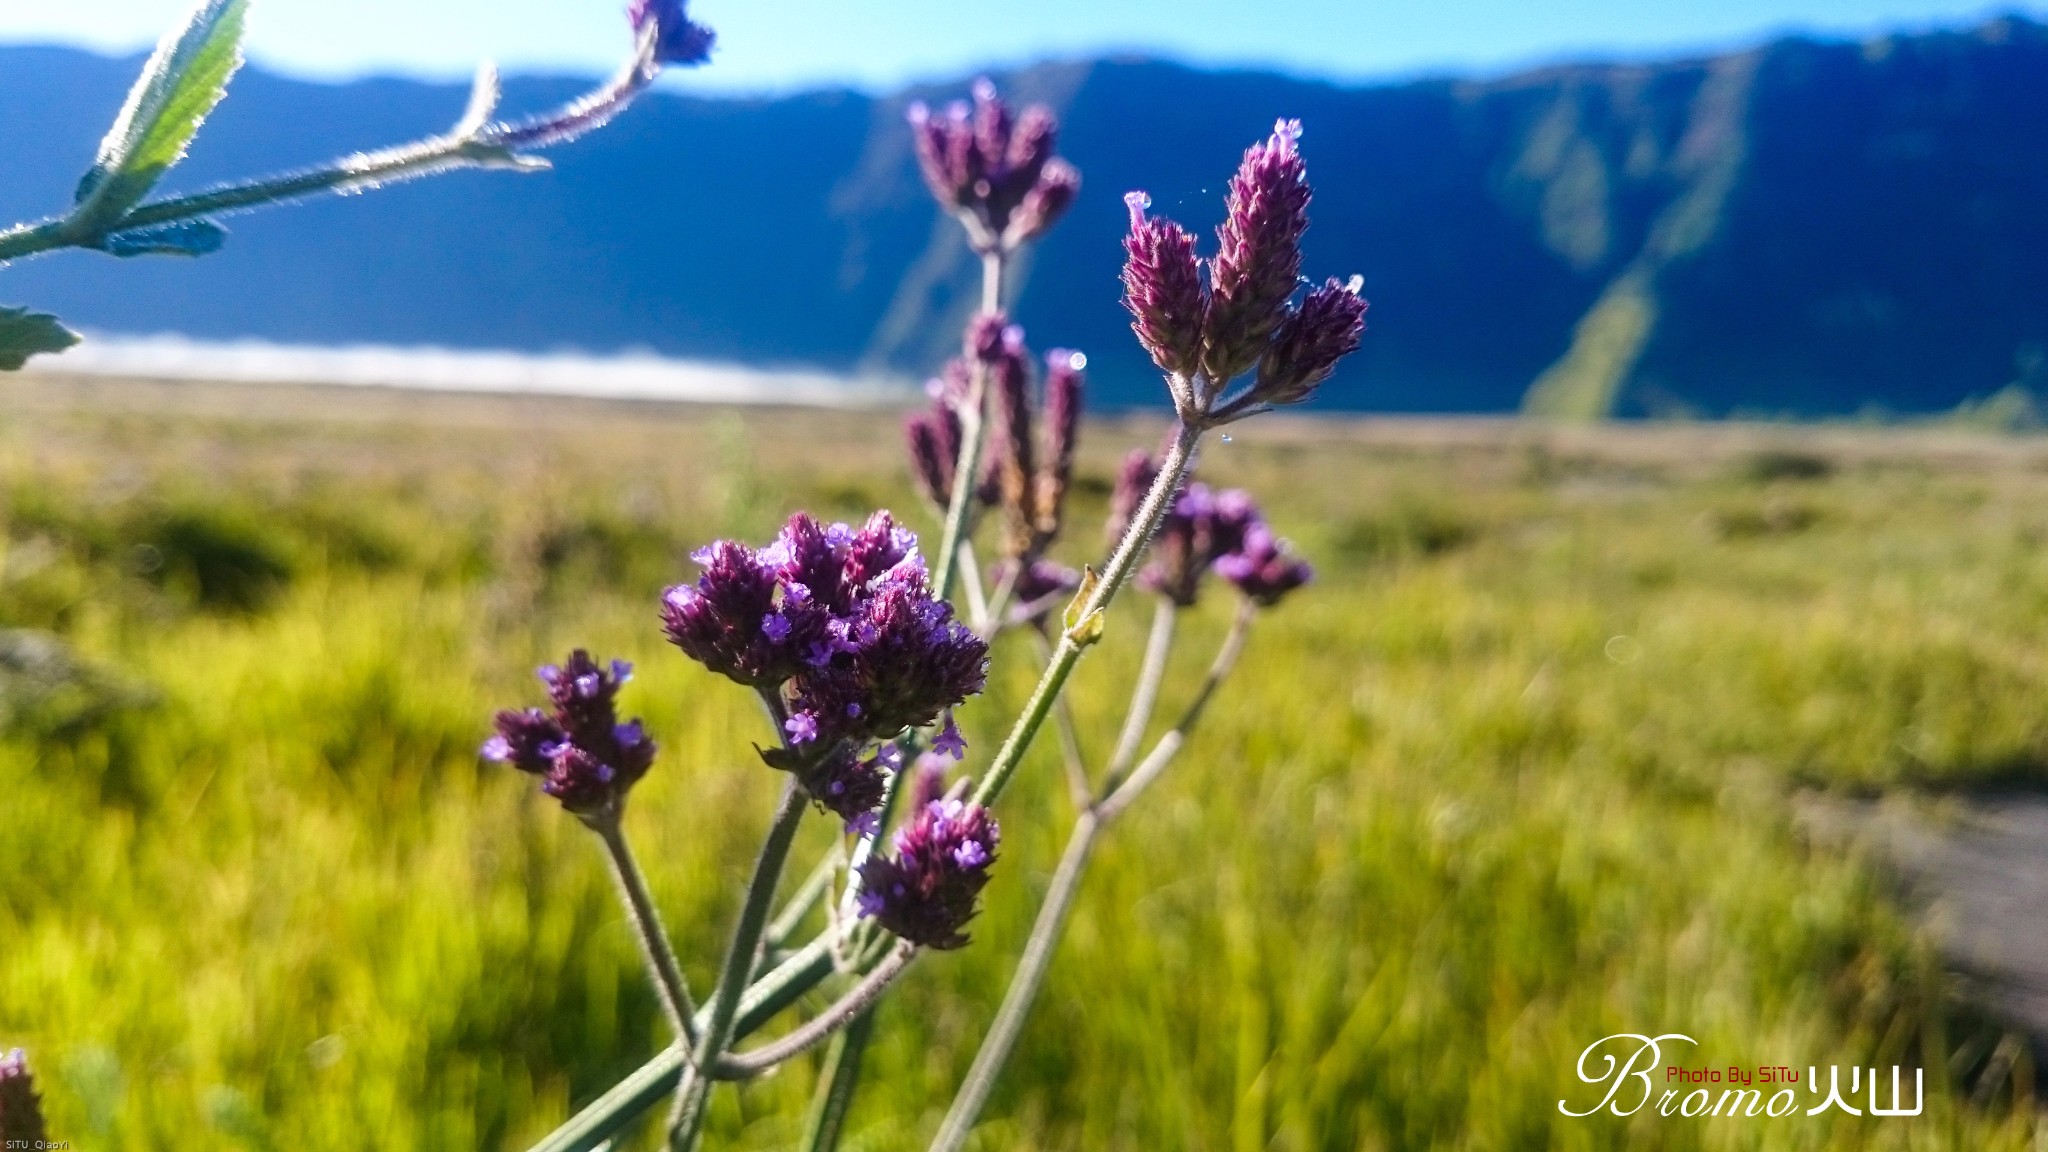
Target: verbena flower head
column 21, row 1109
column 584, row 756
column 997, row 171
column 1263, row 567
column 1163, row 290
column 1029, row 461
column 896, row 661
column 1066, row 381
column 927, row 891
column 1205, row 336
column 1258, row 257
column 1201, row 527
column 934, row 438
column 839, row 621
column 1309, row 342
column 677, row 40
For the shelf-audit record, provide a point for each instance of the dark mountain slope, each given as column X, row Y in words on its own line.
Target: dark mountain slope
column 1804, row 227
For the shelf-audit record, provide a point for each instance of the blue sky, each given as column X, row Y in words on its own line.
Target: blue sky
column 780, row 44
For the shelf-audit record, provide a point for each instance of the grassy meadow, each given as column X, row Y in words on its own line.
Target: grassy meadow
column 1520, row 771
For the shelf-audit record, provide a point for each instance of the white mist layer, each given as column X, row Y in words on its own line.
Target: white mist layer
column 629, row 376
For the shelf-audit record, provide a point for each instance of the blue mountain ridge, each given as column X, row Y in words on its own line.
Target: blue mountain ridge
column 1802, row 227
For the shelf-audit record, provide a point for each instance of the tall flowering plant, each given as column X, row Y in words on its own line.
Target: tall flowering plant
column 850, row 637
column 848, row 634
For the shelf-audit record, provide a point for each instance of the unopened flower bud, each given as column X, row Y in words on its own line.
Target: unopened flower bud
column 985, row 337
column 1046, row 200
column 1163, row 291
column 726, row 620
column 927, row 891
column 1065, row 379
column 1032, row 143
column 934, row 439
column 1258, row 259
column 849, row 786
column 1323, row 330
column 1014, row 452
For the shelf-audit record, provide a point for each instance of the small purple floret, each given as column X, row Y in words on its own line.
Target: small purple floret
column 802, row 727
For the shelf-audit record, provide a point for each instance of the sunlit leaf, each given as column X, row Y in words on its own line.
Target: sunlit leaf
column 179, row 86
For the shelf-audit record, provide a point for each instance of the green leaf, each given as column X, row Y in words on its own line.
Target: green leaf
column 185, row 77
column 24, row 333
column 1084, row 627
column 185, row 238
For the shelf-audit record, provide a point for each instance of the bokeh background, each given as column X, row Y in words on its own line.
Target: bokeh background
column 1674, row 662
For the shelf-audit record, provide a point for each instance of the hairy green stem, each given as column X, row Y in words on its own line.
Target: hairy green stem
column 1145, row 693
column 824, row 1025
column 1023, row 991
column 609, row 1114
column 687, row 1126
column 1117, row 797
column 473, row 144
column 1072, row 757
column 834, row 1097
column 655, row 949
column 1067, row 653
column 806, row 897
column 1051, row 922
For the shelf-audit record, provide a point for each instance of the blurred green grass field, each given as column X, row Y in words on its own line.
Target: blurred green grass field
column 1520, row 771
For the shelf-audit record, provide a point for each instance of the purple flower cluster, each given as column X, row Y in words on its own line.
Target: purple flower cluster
column 926, row 892
column 1030, row 462
column 1206, row 531
column 586, row 759
column 841, row 627
column 995, row 170
column 21, row 1109
column 676, row 39
column 1263, row 567
column 1204, row 336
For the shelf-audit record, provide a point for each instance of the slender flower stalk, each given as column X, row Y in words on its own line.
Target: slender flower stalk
column 1119, row 794
column 686, row 1126
column 608, row 1115
column 823, row 1026
column 655, row 949
column 1022, row 993
column 1145, row 693
column 1050, row 924
column 1076, row 639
